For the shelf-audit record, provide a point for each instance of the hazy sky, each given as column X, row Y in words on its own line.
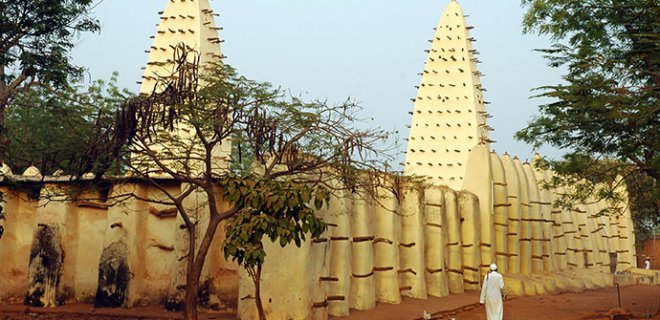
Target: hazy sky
column 370, row 50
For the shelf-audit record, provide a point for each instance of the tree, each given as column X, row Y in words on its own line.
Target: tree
column 67, row 131
column 607, row 111
column 35, row 39
column 297, row 150
column 278, row 210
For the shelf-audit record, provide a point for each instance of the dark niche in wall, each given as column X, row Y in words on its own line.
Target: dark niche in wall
column 114, row 276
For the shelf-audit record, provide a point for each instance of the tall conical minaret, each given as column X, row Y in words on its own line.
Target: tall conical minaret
column 190, row 22
column 449, row 116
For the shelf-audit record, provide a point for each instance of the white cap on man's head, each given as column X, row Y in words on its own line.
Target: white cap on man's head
column 493, row 266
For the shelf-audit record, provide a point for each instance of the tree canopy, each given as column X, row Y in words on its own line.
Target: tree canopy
column 606, row 112
column 36, row 37
column 67, row 131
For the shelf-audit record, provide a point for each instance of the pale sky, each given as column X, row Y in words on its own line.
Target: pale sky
column 370, row 50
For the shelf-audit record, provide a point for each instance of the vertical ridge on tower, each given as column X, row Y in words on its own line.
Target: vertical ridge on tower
column 449, row 116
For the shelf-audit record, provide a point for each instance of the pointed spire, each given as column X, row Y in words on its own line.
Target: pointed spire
column 191, row 23
column 460, row 95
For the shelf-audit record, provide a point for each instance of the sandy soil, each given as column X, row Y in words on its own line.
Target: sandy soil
column 589, row 305
column 642, row 300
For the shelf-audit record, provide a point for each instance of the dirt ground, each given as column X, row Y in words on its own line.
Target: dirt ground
column 589, row 305
column 642, row 300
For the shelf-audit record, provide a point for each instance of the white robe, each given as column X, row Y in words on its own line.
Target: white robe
column 491, row 294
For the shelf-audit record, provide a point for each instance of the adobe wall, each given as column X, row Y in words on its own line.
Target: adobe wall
column 429, row 242
column 58, row 249
column 418, row 241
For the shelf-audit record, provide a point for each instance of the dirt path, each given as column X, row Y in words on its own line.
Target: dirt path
column 641, row 300
column 594, row 304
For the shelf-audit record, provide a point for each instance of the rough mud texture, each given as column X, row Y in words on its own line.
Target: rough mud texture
column 45, row 268
column 174, row 304
column 206, row 299
column 114, row 276
column 225, row 284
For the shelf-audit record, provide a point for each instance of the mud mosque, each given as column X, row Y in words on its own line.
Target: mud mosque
column 478, row 207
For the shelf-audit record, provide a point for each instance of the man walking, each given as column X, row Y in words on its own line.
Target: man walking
column 491, row 294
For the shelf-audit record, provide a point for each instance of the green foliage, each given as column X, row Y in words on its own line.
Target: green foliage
column 35, row 39
column 607, row 111
column 609, row 104
column 69, row 130
column 282, row 211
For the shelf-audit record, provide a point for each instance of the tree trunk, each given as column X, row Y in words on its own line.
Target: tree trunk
column 257, row 293
column 192, row 279
column 192, row 287
column 195, row 267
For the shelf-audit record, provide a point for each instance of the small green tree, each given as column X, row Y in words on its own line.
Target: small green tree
column 607, row 111
column 281, row 211
column 297, row 151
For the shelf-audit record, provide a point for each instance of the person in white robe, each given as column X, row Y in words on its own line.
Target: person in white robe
column 492, row 291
